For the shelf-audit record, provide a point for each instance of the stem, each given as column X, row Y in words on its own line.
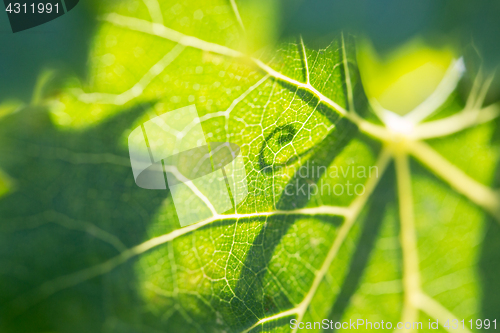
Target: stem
column 411, row 273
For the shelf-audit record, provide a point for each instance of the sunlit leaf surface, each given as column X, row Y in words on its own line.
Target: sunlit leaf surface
column 347, row 216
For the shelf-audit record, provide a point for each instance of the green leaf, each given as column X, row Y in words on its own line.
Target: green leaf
column 331, row 227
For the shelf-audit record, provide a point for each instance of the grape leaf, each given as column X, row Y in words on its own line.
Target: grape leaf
column 348, row 217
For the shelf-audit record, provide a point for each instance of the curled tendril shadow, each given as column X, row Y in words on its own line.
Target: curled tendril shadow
column 250, row 289
column 286, row 134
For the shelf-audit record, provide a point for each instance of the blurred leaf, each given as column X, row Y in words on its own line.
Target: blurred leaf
column 62, row 43
column 5, row 183
column 391, row 23
column 402, row 80
column 9, row 107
